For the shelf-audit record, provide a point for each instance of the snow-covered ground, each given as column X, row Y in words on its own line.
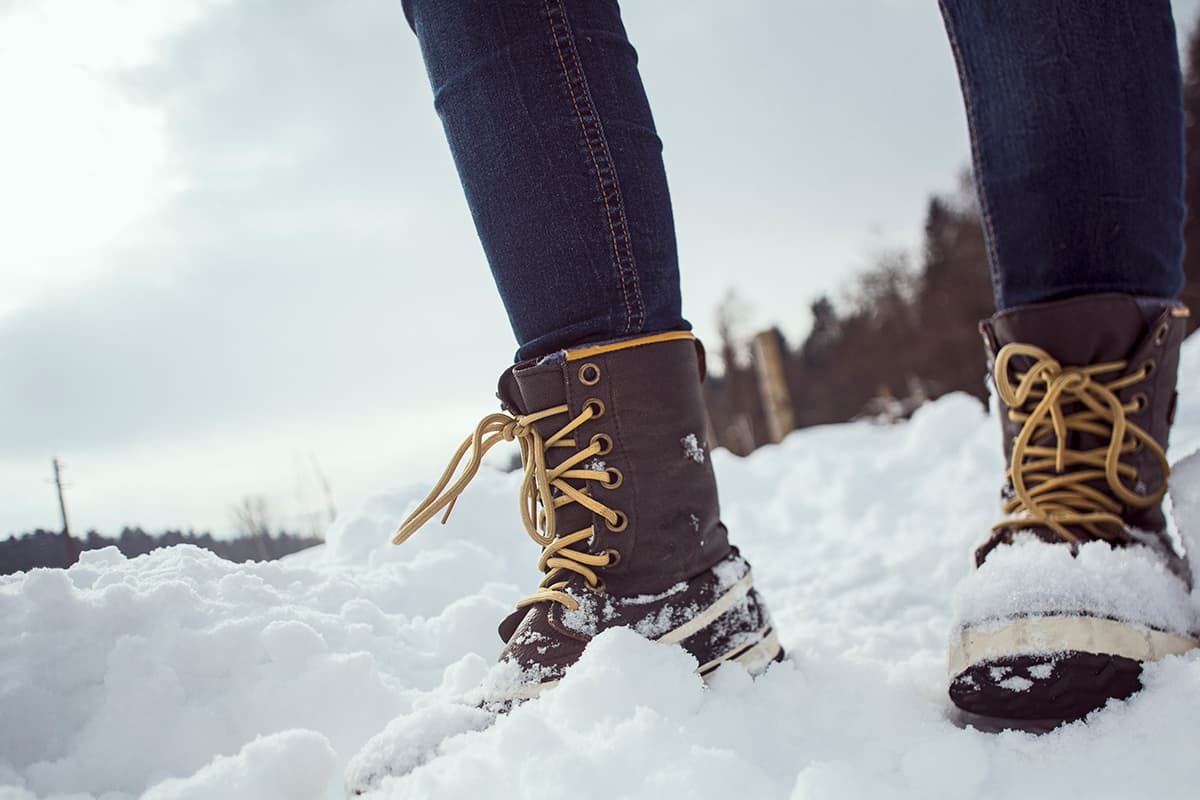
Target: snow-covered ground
column 179, row 676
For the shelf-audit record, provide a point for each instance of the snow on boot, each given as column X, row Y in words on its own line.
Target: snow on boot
column 1080, row 584
column 619, row 492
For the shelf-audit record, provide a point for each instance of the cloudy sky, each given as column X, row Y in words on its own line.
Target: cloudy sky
column 233, row 246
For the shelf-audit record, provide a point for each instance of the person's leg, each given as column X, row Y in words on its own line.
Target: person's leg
column 551, row 131
column 1076, row 125
column 1076, row 118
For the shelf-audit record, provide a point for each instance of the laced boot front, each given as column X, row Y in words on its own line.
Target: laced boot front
column 1079, row 584
column 618, row 491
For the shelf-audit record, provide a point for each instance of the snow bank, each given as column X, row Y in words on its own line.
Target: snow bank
column 292, row 765
column 176, row 675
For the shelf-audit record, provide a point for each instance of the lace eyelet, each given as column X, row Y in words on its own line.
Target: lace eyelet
column 1148, row 367
column 605, row 441
column 1140, row 401
column 596, row 404
column 614, row 557
column 615, row 478
column 621, row 524
column 589, row 374
column 1160, row 335
column 1138, row 446
column 599, row 588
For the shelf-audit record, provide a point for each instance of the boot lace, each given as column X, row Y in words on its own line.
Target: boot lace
column 1055, row 486
column 544, row 490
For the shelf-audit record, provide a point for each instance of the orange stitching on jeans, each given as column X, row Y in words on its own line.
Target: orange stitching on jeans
column 626, row 276
column 591, row 152
column 624, row 273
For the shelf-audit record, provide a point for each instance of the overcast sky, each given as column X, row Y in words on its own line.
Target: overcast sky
column 233, row 245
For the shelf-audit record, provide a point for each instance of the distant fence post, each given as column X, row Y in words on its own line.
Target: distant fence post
column 772, row 384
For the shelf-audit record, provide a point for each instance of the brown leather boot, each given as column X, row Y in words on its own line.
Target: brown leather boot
column 619, row 491
column 1080, row 584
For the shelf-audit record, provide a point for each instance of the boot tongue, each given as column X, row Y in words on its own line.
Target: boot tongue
column 532, row 386
column 509, row 392
column 1082, row 330
column 542, row 385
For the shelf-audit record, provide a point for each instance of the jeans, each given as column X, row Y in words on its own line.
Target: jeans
column 552, row 135
column 1076, row 122
column 1076, row 115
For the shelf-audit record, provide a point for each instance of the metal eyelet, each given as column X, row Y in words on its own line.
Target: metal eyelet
column 589, row 374
column 597, row 404
column 606, row 443
column 615, row 478
column 1140, row 401
column 621, row 524
column 614, row 557
column 1160, row 335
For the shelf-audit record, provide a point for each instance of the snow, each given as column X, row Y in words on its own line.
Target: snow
column 692, row 448
column 176, row 675
column 1117, row 583
column 1016, row 683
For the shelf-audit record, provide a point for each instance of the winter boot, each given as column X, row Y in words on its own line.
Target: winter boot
column 619, row 491
column 1080, row 584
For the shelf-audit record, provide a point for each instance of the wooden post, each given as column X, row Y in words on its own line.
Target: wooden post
column 772, row 384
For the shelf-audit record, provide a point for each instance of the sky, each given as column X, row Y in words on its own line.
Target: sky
column 235, row 260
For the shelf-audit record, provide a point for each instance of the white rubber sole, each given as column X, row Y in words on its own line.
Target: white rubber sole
column 754, row 658
column 1047, row 635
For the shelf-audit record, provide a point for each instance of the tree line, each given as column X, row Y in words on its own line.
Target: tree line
column 42, row 548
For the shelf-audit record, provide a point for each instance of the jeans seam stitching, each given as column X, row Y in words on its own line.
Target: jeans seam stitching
column 985, row 212
column 601, row 158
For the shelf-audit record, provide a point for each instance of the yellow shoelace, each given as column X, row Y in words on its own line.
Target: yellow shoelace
column 539, row 502
column 1050, row 484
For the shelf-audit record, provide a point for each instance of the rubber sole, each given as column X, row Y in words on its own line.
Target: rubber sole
column 754, row 657
column 1037, row 693
column 1038, row 672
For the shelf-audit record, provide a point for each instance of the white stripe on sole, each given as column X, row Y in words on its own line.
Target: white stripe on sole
column 710, row 614
column 753, row 659
column 762, row 655
column 1061, row 634
column 526, row 691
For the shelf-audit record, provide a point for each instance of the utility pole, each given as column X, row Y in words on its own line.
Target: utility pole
column 62, row 504
column 323, row 479
column 62, row 507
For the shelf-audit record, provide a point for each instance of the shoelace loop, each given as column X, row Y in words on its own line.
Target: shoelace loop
column 1051, row 484
column 538, row 498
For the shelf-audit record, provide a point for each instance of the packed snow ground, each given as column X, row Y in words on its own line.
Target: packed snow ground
column 177, row 676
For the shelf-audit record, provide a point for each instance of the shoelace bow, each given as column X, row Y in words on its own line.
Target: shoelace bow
column 1051, row 484
column 544, row 490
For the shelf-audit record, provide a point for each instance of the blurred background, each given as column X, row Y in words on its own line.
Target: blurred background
column 240, row 287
